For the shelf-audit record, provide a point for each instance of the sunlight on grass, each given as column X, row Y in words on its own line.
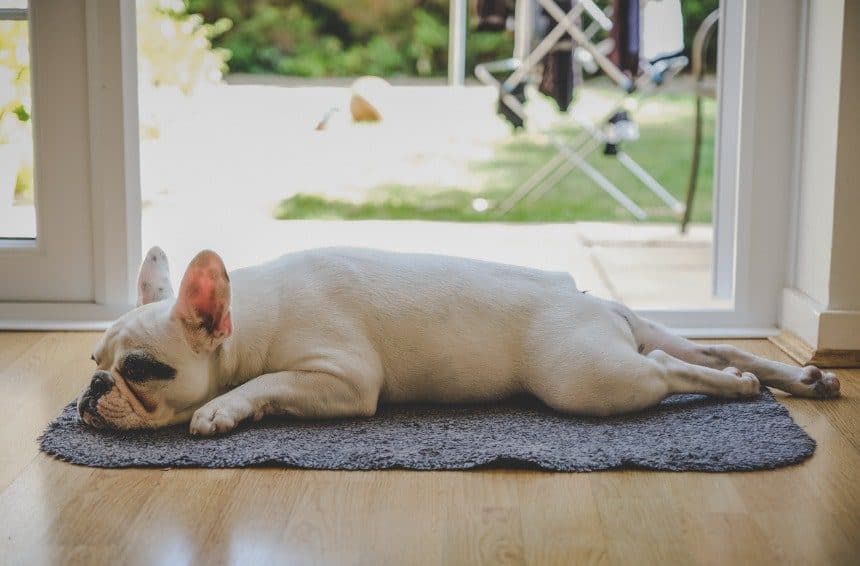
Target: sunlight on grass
column 664, row 150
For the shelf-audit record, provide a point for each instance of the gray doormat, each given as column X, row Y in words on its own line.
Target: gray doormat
column 684, row 433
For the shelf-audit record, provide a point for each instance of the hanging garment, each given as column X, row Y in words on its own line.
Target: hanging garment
column 492, row 15
column 625, row 35
column 662, row 30
column 558, row 76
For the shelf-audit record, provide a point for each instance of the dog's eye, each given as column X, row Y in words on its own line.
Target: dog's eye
column 138, row 366
column 132, row 374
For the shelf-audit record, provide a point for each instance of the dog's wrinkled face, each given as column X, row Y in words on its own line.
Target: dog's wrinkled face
column 155, row 365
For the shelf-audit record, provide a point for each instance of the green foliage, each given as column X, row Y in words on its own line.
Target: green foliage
column 174, row 50
column 694, row 12
column 315, row 38
column 174, row 47
column 14, row 81
column 21, row 113
column 15, row 125
column 429, row 43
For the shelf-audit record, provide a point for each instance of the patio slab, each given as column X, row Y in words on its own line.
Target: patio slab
column 658, row 277
column 653, row 265
column 643, row 276
column 632, row 234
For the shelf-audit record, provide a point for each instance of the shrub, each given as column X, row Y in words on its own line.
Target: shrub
column 174, row 51
column 174, row 47
column 341, row 37
column 315, row 38
column 14, row 79
column 15, row 126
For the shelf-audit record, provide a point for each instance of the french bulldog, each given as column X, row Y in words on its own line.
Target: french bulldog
column 333, row 332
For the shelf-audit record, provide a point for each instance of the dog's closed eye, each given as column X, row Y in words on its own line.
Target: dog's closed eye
column 140, row 366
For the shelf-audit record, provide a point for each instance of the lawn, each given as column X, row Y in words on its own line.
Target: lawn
column 664, row 149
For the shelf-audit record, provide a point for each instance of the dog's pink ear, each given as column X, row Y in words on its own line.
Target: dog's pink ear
column 153, row 280
column 203, row 304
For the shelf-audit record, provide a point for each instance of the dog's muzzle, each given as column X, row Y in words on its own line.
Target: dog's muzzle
column 101, row 383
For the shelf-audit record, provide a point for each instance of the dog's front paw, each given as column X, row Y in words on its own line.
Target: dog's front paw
column 219, row 416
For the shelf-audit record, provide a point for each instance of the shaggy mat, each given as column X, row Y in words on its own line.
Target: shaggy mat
column 684, row 433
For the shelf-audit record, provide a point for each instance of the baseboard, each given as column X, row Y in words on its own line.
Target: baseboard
column 58, row 316
column 804, row 354
column 827, row 330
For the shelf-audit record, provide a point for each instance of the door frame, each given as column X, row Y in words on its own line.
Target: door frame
column 760, row 113
column 86, row 159
column 756, row 152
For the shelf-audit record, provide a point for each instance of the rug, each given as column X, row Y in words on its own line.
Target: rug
column 684, row 433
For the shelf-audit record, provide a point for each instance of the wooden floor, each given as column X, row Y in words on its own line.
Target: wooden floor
column 52, row 512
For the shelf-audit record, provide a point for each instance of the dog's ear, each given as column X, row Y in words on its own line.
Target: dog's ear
column 153, row 280
column 203, row 304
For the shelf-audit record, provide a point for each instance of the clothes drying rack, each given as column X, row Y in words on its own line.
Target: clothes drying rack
column 661, row 61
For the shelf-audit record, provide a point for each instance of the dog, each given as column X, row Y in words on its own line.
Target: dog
column 333, row 332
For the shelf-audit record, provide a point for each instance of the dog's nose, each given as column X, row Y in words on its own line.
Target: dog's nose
column 101, row 384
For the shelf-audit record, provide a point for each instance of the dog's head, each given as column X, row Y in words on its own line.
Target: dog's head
column 156, row 364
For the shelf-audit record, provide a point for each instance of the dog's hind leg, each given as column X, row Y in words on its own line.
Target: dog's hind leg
column 684, row 377
column 626, row 381
column 597, row 368
column 803, row 382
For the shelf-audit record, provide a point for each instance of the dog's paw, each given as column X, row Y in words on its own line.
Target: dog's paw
column 219, row 416
column 748, row 384
column 817, row 383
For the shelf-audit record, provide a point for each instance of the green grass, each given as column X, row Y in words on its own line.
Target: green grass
column 664, row 150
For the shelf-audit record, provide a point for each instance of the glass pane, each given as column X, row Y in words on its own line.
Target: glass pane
column 17, row 210
column 312, row 147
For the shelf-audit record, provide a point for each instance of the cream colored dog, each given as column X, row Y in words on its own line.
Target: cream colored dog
column 332, row 332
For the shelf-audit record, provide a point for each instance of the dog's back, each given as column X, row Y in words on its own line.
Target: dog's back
column 444, row 328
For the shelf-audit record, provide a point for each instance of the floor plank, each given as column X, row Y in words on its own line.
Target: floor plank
column 39, row 374
column 52, row 512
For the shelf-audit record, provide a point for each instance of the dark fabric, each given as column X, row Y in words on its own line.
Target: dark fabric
column 557, row 79
column 558, row 75
column 684, row 433
column 625, row 35
column 492, row 15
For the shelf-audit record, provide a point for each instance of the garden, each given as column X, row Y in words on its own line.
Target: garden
column 266, row 68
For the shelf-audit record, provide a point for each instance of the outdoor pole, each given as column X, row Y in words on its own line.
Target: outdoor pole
column 457, row 12
column 523, row 28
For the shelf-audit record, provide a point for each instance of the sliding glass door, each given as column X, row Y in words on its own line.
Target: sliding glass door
column 71, row 215
column 75, row 265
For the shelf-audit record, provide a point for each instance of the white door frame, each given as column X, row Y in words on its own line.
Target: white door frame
column 79, row 273
column 758, row 109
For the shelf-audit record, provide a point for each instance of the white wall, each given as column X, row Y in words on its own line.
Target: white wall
column 821, row 302
column 845, row 255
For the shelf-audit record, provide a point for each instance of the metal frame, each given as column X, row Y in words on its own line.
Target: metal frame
column 13, row 14
column 574, row 154
column 484, row 72
column 700, row 45
column 756, row 148
column 457, row 17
